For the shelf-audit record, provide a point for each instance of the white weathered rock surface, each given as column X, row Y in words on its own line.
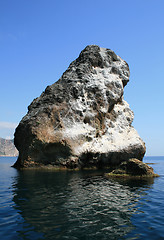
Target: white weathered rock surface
column 82, row 119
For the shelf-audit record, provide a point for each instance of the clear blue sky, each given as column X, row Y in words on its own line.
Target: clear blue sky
column 39, row 39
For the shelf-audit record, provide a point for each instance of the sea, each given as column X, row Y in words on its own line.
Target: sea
column 80, row 205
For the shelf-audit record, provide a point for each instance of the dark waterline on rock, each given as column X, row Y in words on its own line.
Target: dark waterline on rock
column 79, row 205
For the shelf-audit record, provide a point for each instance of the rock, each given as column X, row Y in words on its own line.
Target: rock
column 7, row 148
column 133, row 168
column 82, row 119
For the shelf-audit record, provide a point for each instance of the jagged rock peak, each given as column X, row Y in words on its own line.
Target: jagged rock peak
column 81, row 120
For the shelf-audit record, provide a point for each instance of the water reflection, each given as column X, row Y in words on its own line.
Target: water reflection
column 75, row 205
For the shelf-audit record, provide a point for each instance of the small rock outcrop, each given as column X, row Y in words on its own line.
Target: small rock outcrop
column 133, row 168
column 7, row 148
column 82, row 119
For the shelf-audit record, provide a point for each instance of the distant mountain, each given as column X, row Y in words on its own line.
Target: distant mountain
column 7, row 148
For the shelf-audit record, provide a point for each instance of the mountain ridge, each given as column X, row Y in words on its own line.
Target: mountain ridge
column 7, row 148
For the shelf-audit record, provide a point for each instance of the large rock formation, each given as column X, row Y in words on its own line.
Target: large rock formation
column 7, row 148
column 82, row 119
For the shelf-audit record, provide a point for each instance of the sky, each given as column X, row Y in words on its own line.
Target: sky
column 40, row 38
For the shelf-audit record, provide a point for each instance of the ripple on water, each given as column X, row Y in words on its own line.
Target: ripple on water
column 79, row 205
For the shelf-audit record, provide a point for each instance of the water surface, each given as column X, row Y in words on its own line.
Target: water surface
column 79, row 205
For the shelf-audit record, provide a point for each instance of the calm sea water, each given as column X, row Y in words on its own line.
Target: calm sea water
column 79, row 205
